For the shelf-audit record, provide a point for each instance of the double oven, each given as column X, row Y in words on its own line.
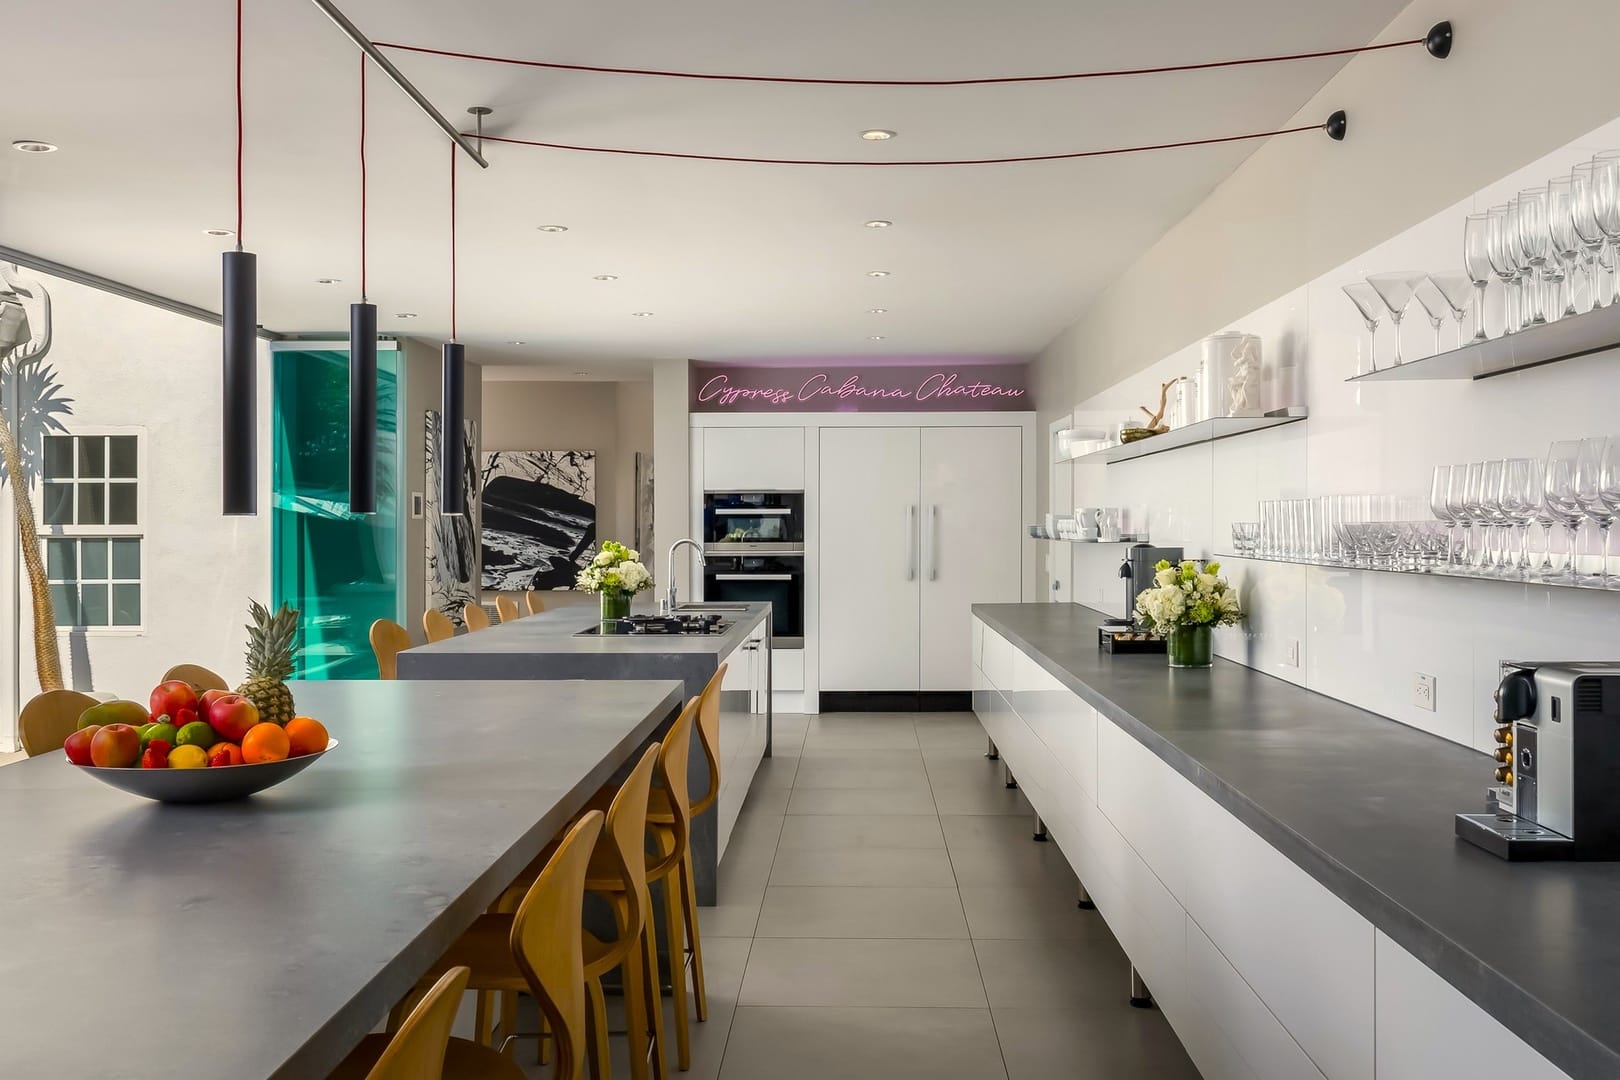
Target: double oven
column 753, row 549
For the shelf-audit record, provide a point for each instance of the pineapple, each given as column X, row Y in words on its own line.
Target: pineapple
column 270, row 661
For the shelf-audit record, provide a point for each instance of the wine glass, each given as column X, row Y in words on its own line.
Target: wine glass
column 1395, row 290
column 1456, row 288
column 1477, row 262
column 1584, row 220
column 1609, row 492
column 1372, row 310
column 1519, row 499
column 1589, row 493
column 1439, row 484
column 1457, row 503
column 1536, row 246
column 1435, row 306
column 1562, row 501
column 1606, row 196
column 1502, row 249
column 1490, row 504
column 1566, row 242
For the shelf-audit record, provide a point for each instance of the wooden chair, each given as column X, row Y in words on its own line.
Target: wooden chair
column 709, row 738
column 388, row 640
column 533, row 602
column 506, row 608
column 422, row 1048
column 475, row 617
column 49, row 718
column 540, row 949
column 437, row 625
column 197, row 676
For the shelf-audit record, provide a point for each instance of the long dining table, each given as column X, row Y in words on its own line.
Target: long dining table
column 265, row 937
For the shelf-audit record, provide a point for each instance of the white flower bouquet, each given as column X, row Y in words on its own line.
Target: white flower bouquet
column 1188, row 595
column 614, row 571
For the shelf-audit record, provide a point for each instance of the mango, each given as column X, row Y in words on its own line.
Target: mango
column 132, row 713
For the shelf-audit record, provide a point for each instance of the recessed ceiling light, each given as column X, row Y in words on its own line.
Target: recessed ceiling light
column 606, row 277
column 877, row 273
column 874, row 337
column 878, row 223
column 404, row 314
column 34, row 146
column 517, row 342
column 219, row 232
column 641, row 314
column 877, row 134
column 877, row 311
column 328, row 281
column 552, row 228
column 581, row 373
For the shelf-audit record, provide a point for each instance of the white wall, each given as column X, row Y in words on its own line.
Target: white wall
column 1364, row 636
column 672, row 464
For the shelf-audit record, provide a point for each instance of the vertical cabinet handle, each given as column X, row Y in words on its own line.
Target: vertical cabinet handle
column 933, row 542
column 911, row 543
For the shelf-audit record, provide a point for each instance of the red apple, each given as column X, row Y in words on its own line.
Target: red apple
column 116, row 746
column 231, row 715
column 77, row 746
column 171, row 697
column 207, row 701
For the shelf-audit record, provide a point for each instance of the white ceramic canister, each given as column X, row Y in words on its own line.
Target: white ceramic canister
column 1230, row 375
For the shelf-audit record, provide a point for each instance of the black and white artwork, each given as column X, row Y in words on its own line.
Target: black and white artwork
column 644, row 501
column 452, row 539
column 539, row 517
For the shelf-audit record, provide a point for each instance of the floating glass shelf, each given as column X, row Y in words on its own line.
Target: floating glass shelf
column 1076, row 540
column 1205, row 431
column 1584, row 584
column 1577, row 335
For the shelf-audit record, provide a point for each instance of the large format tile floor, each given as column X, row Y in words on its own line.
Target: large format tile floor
column 886, row 914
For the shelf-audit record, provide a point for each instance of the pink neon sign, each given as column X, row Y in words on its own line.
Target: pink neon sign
column 945, row 387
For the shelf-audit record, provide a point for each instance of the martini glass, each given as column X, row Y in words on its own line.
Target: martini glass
column 1435, row 306
column 1477, row 262
column 1395, row 290
column 1372, row 311
column 1457, row 289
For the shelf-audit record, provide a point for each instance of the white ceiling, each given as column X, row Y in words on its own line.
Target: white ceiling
column 734, row 260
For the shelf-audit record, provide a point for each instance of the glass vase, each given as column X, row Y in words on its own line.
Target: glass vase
column 615, row 605
column 1189, row 646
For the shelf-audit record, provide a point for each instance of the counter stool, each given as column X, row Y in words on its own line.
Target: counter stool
column 49, row 718
column 475, row 617
column 437, row 625
column 506, row 608
column 422, row 1048
column 196, row 675
column 388, row 640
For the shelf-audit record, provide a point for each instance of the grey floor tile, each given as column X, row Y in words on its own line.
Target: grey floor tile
column 775, row 772
column 860, row 801
column 950, row 731
column 1081, row 974
column 1044, row 914
column 839, row 912
column 858, row 731
column 1018, row 862
column 1095, row 1044
column 815, row 772
column 975, row 798
column 768, row 801
column 736, row 915
column 824, row 971
column 846, row 831
column 864, row 866
column 974, row 831
column 875, row 755
column 893, row 1044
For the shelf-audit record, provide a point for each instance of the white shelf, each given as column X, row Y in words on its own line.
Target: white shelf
column 1205, row 431
column 1067, row 540
column 1586, row 585
column 1577, row 335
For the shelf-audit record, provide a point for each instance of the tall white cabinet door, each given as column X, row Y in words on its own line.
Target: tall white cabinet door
column 869, row 569
column 972, row 502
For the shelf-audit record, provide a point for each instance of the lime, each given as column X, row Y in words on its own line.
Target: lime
column 160, row 730
column 197, row 733
column 188, row 757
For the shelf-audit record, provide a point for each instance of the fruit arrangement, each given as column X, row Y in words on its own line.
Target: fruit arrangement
column 185, row 727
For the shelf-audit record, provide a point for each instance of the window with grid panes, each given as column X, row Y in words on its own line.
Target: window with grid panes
column 89, row 517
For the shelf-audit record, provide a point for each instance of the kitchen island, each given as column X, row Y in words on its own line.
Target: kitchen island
column 561, row 644
column 265, row 937
column 1281, row 867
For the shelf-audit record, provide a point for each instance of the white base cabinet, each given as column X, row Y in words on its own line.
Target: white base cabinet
column 1263, row 973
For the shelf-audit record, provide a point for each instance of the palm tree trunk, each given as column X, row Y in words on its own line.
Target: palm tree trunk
column 46, row 658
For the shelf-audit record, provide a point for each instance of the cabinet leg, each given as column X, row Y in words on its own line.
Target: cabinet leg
column 992, row 753
column 1084, row 902
column 1140, row 998
column 1012, row 781
column 1040, row 830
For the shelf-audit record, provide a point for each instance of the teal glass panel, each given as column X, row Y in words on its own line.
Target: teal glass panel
column 65, row 602
column 126, row 560
column 338, row 569
column 93, row 560
column 126, row 605
column 62, row 560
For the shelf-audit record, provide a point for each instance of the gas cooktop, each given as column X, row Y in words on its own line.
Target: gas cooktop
column 649, row 625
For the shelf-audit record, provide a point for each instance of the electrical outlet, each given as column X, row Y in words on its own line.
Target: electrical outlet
column 1423, row 691
column 1291, row 653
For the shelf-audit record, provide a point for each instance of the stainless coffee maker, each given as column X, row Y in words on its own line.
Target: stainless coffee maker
column 1557, row 785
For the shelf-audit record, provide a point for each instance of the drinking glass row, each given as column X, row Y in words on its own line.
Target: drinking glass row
column 1370, row 530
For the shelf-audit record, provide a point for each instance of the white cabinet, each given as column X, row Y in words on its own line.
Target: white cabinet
column 1227, row 1030
column 915, row 526
column 753, row 459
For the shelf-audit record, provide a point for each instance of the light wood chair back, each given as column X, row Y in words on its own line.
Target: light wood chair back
column 49, row 718
column 533, row 602
column 708, row 725
column 437, row 625
column 475, row 617
column 416, row 1052
column 674, row 761
column 626, row 835
column 506, row 608
column 388, row 640
column 197, row 676
column 548, row 942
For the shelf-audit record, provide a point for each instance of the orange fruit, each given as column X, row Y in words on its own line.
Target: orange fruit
column 306, row 736
column 264, row 742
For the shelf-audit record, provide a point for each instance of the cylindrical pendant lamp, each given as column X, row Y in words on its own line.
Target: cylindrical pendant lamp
column 452, row 422
column 362, row 408
column 239, row 439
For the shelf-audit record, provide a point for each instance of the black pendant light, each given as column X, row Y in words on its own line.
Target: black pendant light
column 239, row 320
column 453, row 412
column 363, row 361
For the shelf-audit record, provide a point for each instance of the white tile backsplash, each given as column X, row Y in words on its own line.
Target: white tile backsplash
column 1363, row 636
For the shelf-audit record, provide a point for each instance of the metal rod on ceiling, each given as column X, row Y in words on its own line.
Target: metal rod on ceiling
column 352, row 32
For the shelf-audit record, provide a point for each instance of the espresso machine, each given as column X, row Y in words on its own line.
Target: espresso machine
column 1124, row 635
column 1557, row 785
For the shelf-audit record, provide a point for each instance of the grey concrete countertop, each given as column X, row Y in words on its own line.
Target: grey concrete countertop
column 265, row 937
column 1365, row 806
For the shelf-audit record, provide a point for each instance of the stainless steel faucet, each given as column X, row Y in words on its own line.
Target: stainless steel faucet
column 669, row 599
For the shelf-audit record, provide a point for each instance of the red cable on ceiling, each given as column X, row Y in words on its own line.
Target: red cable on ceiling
column 901, row 164
column 991, row 81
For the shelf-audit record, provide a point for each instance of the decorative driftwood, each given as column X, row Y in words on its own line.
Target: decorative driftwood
column 1154, row 418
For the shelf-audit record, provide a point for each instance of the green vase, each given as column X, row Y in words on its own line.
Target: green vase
column 615, row 605
column 1188, row 646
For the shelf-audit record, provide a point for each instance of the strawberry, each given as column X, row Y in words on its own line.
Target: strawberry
column 156, row 755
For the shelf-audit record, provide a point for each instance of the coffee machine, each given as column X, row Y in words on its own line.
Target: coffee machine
column 1123, row 634
column 1557, row 789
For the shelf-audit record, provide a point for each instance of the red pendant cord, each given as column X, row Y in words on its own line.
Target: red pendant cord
column 902, row 164
column 362, row 178
column 453, row 150
column 238, row 125
column 1070, row 76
